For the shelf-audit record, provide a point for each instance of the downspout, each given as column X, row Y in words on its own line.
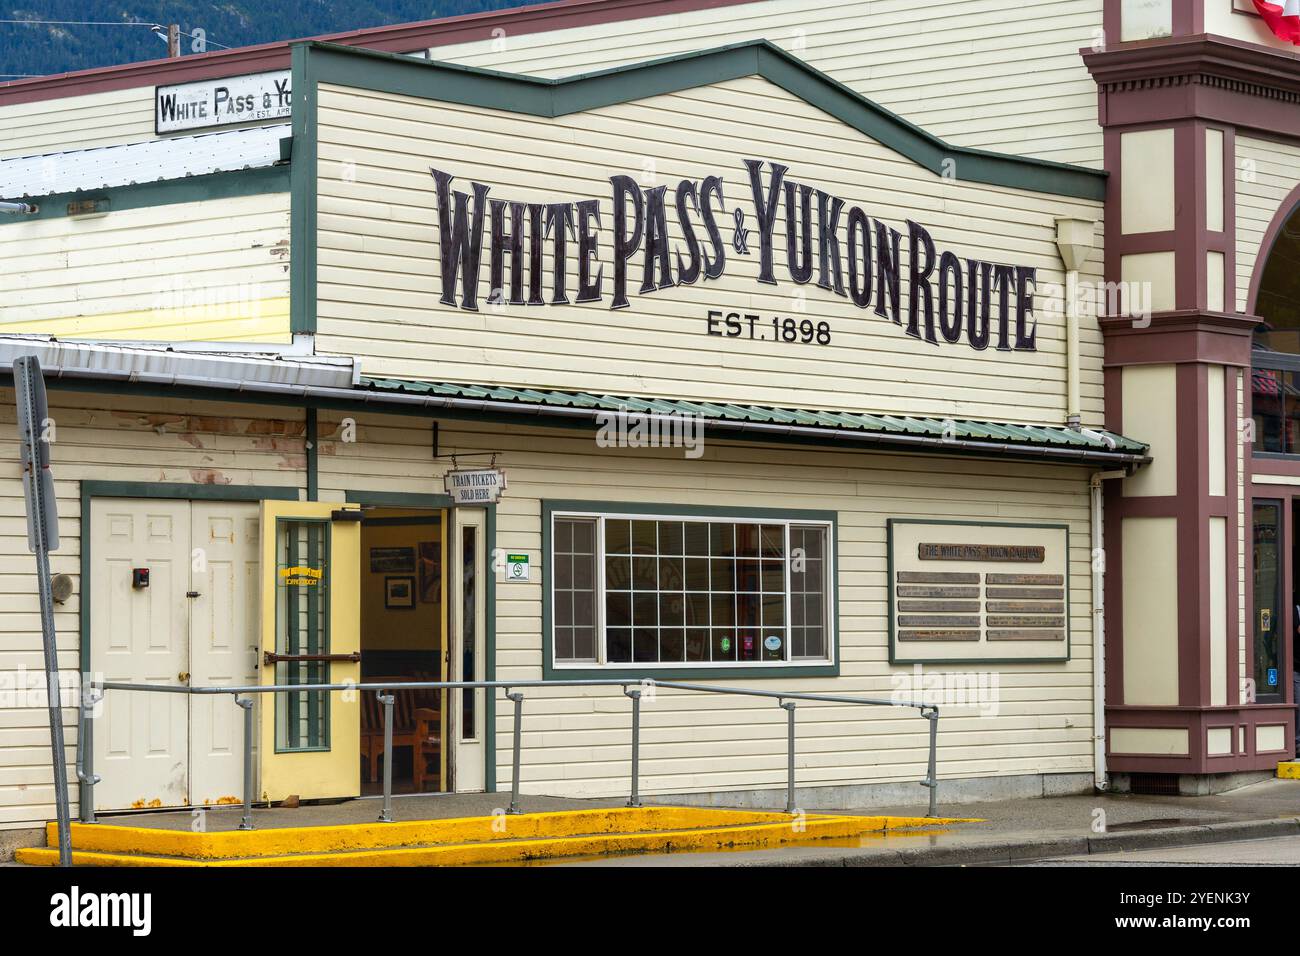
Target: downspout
column 1101, row 779
column 1074, row 240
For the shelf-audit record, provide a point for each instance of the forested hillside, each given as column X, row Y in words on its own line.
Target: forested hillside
column 30, row 48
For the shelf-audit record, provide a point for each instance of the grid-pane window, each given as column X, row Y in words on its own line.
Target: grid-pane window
column 808, row 592
column 689, row 591
column 573, row 564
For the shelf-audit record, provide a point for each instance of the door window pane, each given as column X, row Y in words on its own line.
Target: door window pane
column 469, row 633
column 301, row 628
column 1268, row 596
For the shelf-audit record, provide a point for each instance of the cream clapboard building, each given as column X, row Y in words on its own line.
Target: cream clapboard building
column 830, row 247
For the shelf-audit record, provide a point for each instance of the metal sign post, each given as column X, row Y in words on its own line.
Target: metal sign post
column 43, row 537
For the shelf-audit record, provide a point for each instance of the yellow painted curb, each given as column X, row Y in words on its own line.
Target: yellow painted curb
column 749, row 835
column 109, row 838
column 100, row 837
column 1289, row 770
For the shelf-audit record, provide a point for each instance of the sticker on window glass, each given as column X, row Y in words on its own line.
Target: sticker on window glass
column 772, row 642
column 1272, row 677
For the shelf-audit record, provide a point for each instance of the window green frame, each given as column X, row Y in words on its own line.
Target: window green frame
column 777, row 670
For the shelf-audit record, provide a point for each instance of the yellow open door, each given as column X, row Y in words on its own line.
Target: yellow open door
column 310, row 743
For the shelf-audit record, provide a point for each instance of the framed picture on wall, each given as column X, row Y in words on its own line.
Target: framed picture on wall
column 399, row 593
column 430, row 572
column 392, row 560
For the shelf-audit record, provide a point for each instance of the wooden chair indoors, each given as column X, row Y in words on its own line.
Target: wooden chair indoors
column 372, row 723
column 427, row 757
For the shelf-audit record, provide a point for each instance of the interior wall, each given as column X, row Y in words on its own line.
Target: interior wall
column 401, row 544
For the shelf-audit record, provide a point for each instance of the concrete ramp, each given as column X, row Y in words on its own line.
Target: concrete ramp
column 500, row 839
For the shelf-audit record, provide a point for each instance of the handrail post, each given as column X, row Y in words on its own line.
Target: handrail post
column 86, row 753
column 635, row 799
column 386, row 814
column 518, row 698
column 246, row 822
column 931, row 778
column 788, row 707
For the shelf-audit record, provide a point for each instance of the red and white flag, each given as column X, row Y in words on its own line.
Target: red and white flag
column 1282, row 17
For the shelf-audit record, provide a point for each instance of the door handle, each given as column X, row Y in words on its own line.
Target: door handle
column 183, row 677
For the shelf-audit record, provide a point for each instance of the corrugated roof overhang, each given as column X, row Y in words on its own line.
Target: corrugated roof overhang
column 334, row 382
column 997, row 439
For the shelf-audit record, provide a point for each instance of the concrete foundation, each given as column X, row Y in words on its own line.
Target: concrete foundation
column 1200, row 785
column 872, row 796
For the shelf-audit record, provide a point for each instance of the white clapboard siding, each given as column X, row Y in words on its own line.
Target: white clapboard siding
column 116, row 439
column 378, row 283
column 212, row 270
column 1267, row 172
column 576, row 742
column 77, row 122
column 1003, row 75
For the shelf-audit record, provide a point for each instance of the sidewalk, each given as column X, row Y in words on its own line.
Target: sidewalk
column 1016, row 830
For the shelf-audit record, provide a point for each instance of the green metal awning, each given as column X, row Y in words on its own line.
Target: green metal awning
column 996, row 439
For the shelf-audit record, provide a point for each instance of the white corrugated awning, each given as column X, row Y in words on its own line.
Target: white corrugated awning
column 154, row 161
column 163, row 364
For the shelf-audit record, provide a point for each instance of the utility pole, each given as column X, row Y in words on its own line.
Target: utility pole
column 173, row 40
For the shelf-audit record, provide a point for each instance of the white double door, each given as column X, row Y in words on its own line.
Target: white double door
column 196, row 622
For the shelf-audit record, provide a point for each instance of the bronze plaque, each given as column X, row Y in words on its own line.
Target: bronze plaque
column 1034, row 553
column 939, row 635
column 938, row 577
column 939, row 620
column 1025, row 620
column 1025, row 607
column 921, row 591
column 923, row 607
column 1056, row 580
column 1034, row 594
column 1001, row 635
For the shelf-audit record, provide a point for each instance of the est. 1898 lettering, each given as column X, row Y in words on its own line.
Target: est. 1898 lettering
column 785, row 329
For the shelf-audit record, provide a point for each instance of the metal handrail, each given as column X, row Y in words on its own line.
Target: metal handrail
column 631, row 687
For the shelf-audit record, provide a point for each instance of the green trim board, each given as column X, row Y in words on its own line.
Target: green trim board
column 312, row 442
column 890, row 524
column 303, row 173
column 406, row 499
column 537, row 96
column 782, row 671
column 223, row 185
column 91, row 489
